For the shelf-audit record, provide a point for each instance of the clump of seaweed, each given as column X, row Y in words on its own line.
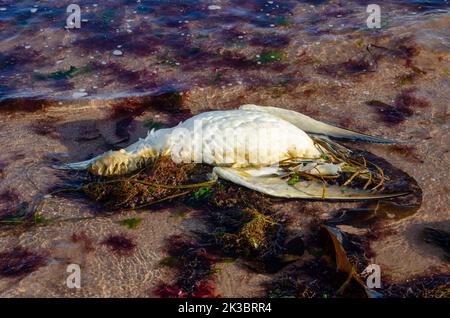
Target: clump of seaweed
column 160, row 181
column 272, row 56
column 45, row 127
column 19, row 262
column 254, row 237
column 24, row 215
column 407, row 102
column 354, row 66
column 131, row 223
column 338, row 257
column 388, row 113
column 195, row 270
column 435, row 286
column 73, row 71
column 357, row 169
column 304, row 282
column 120, row 244
column 404, row 106
column 226, row 195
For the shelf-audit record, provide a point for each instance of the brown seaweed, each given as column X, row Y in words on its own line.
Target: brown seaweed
column 120, row 244
column 20, row 262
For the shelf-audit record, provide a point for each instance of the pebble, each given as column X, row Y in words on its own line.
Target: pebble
column 33, row 10
column 79, row 94
column 3, row 9
column 117, row 52
column 214, row 7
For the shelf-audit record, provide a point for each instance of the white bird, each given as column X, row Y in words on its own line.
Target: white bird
column 246, row 146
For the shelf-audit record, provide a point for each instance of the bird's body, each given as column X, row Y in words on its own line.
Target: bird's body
column 251, row 137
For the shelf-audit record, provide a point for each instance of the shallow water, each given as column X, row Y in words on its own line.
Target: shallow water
column 128, row 48
column 65, row 95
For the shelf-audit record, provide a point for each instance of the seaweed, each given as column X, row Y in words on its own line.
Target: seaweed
column 20, row 262
column 434, row 286
column 227, row 196
column 131, row 223
column 45, row 127
column 272, row 56
column 248, row 234
column 24, row 215
column 194, row 267
column 354, row 66
column 161, row 180
column 404, row 106
column 72, row 72
column 270, row 40
column 388, row 113
column 120, row 244
column 406, row 102
column 151, row 124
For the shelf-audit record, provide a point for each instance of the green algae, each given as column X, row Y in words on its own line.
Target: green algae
column 131, row 223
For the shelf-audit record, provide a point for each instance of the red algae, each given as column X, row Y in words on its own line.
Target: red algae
column 194, row 268
column 20, row 262
column 120, row 244
column 407, row 102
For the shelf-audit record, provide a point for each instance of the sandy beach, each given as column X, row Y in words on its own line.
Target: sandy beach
column 68, row 97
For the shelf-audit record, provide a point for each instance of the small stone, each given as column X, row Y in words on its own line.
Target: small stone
column 214, row 7
column 79, row 94
column 33, row 10
column 117, row 52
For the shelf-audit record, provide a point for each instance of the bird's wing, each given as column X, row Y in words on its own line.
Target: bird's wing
column 312, row 126
column 266, row 180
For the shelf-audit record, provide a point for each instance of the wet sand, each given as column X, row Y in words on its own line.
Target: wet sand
column 327, row 74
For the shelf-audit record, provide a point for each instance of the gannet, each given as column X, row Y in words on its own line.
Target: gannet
column 246, row 146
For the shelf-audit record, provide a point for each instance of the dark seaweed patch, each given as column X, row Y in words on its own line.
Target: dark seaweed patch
column 45, row 127
column 388, row 113
column 356, row 66
column 407, row 102
column 3, row 166
column 235, row 59
column 194, row 267
column 20, row 262
column 120, row 244
column 251, row 235
column 434, row 286
column 73, row 71
column 10, row 105
column 270, row 40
